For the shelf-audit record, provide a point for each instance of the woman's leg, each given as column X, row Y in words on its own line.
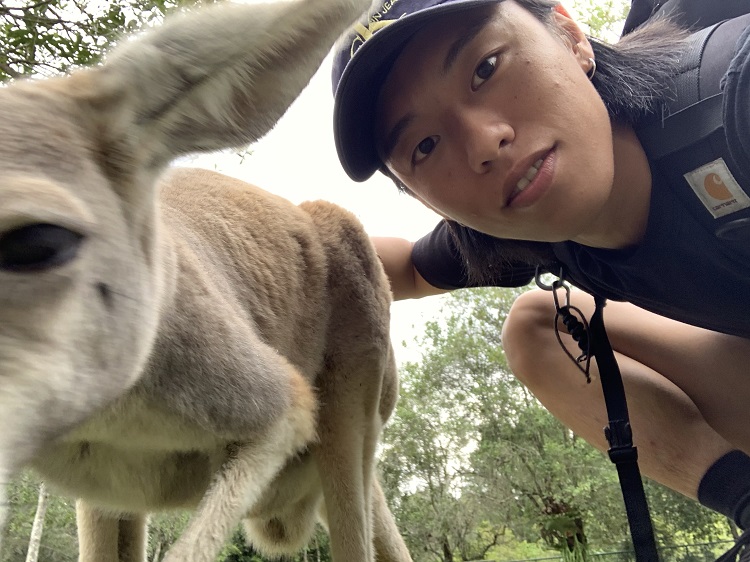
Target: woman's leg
column 687, row 388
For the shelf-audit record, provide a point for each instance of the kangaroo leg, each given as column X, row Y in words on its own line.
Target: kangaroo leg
column 389, row 545
column 284, row 520
column 97, row 534
column 131, row 543
column 103, row 537
column 245, row 475
column 349, row 426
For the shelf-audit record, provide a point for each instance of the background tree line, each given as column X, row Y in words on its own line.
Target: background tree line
column 48, row 37
column 478, row 469
column 474, row 467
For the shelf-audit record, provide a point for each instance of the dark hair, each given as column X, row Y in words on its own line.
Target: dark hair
column 485, row 257
column 634, row 77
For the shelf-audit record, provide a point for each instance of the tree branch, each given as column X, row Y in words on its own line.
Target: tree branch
column 24, row 9
column 7, row 69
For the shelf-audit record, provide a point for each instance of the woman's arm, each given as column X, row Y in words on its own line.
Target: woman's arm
column 406, row 282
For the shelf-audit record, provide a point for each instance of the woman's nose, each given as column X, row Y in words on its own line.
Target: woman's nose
column 486, row 138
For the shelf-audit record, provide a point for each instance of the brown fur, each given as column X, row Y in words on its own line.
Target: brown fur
column 198, row 343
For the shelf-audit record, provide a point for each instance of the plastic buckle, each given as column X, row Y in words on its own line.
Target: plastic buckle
column 620, row 438
column 625, row 454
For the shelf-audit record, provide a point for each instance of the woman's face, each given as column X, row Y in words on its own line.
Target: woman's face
column 492, row 121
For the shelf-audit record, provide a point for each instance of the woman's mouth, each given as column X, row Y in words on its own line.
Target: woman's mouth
column 526, row 180
column 534, row 183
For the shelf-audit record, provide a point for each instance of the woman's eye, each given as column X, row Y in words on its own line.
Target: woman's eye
column 424, row 148
column 483, row 71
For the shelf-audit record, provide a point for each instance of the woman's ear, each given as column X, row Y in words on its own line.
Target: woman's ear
column 573, row 37
column 560, row 9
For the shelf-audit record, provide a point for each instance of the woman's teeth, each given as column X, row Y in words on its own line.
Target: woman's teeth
column 526, row 180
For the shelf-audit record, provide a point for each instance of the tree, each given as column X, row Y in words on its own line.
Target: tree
column 452, row 402
column 45, row 37
column 603, row 18
column 474, row 464
column 37, row 528
column 58, row 543
column 164, row 530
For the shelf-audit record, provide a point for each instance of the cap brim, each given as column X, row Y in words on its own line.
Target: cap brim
column 361, row 81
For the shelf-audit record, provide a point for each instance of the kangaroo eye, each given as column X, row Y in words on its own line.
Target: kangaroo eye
column 37, row 247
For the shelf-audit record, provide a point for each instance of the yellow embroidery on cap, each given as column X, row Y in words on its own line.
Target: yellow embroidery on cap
column 374, row 23
column 366, row 32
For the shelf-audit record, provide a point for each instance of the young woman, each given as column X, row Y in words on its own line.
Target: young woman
column 504, row 118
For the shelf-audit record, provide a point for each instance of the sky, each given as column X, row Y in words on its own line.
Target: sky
column 298, row 161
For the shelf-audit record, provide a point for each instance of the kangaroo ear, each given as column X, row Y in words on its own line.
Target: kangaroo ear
column 216, row 78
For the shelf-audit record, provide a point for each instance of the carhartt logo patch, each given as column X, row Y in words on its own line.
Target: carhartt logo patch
column 717, row 189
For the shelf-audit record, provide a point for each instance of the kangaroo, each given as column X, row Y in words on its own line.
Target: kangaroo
column 174, row 338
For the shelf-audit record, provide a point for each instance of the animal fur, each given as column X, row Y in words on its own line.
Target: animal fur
column 183, row 339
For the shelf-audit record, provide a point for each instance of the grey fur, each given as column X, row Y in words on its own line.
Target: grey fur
column 207, row 345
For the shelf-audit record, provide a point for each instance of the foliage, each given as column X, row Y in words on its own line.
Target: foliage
column 59, row 542
column 45, row 37
column 164, row 530
column 474, row 464
column 237, row 550
column 602, row 18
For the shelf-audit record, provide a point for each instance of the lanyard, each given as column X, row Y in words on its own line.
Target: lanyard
column 593, row 341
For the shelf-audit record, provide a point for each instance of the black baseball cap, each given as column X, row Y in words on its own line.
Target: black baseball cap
column 363, row 59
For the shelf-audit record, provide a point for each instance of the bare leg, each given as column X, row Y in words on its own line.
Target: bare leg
column 686, row 393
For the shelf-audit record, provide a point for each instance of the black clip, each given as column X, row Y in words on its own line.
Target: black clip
column 573, row 320
column 619, row 435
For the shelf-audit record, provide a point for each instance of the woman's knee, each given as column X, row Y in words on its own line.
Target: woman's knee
column 527, row 330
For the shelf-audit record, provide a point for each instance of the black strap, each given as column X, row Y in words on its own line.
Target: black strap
column 624, row 454
column 640, row 11
column 689, row 126
column 694, row 118
column 687, row 118
column 739, row 547
column 620, row 438
column 692, row 14
column 689, row 131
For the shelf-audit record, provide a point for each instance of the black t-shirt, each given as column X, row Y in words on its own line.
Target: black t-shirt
column 437, row 258
column 681, row 269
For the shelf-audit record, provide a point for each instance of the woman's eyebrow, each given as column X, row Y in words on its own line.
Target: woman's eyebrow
column 463, row 40
column 454, row 50
column 394, row 135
